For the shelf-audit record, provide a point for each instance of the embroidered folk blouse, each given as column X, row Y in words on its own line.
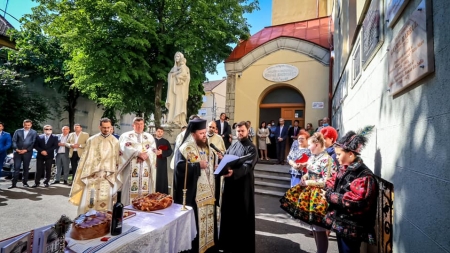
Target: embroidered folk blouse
column 319, row 167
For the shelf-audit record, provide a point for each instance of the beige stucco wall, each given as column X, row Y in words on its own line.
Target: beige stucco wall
column 220, row 93
column 312, row 82
column 217, row 96
column 287, row 11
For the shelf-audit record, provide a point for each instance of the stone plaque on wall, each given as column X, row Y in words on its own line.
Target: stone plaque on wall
column 393, row 10
column 411, row 54
column 280, row 73
column 372, row 32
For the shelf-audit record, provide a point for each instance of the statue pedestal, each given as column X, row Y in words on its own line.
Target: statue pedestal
column 170, row 134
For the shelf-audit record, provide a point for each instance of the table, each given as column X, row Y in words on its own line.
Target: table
column 171, row 232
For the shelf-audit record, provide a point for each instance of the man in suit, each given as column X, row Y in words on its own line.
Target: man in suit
column 224, row 129
column 45, row 144
column 23, row 143
column 5, row 144
column 281, row 134
column 293, row 132
column 62, row 156
column 76, row 142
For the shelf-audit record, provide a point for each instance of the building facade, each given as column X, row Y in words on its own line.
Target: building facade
column 213, row 100
column 390, row 69
column 283, row 70
column 4, row 38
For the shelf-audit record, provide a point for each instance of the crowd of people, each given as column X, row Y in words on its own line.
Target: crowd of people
column 135, row 163
column 273, row 138
column 331, row 187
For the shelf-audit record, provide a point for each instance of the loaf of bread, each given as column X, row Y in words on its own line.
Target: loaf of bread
column 152, row 202
column 90, row 227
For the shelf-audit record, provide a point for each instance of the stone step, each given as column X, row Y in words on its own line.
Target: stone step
column 269, row 192
column 275, row 170
column 272, row 179
column 272, row 186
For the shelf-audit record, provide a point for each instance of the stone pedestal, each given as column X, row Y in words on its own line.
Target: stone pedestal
column 170, row 134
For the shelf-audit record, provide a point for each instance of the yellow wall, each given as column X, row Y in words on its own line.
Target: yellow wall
column 288, row 11
column 312, row 82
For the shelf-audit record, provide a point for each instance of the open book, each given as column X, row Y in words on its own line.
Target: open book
column 230, row 161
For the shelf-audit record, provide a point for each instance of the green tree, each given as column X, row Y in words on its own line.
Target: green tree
column 41, row 56
column 122, row 51
column 18, row 102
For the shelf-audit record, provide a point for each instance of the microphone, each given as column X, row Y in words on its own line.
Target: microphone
column 215, row 148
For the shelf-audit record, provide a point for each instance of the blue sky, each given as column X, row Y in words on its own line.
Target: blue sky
column 258, row 20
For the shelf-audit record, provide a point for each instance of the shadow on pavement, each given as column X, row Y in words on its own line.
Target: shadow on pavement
column 33, row 194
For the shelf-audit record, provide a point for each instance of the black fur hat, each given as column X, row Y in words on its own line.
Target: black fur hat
column 354, row 141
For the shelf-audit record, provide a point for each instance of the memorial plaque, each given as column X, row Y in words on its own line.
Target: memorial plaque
column 372, row 32
column 356, row 63
column 411, row 55
column 280, row 73
column 393, row 10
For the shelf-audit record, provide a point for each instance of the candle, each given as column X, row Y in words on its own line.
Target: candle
column 91, row 200
column 185, row 173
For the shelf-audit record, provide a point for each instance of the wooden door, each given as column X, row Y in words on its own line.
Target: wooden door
column 290, row 115
column 294, row 113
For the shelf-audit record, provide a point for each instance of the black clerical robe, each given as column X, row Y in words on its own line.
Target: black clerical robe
column 162, row 183
column 192, row 179
column 237, row 218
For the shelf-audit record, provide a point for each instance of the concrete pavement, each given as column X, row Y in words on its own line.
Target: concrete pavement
column 23, row 209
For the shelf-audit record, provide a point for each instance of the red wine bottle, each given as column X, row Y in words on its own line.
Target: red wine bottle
column 117, row 216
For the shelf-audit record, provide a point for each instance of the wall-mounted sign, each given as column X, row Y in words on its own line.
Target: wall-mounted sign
column 372, row 32
column 317, row 105
column 280, row 73
column 393, row 10
column 411, row 55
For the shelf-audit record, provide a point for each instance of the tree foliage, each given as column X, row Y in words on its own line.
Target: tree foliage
column 18, row 102
column 41, row 56
column 122, row 50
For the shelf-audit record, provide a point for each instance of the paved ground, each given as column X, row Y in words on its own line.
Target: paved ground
column 23, row 209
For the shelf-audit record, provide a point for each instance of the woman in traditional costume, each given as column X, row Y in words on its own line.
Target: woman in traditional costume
column 305, row 198
column 352, row 195
column 298, row 157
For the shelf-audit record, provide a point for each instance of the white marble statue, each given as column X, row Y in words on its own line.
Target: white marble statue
column 178, row 91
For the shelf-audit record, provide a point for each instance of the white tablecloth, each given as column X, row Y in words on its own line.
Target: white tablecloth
column 171, row 232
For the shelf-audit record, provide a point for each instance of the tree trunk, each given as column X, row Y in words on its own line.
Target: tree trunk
column 158, row 92
column 72, row 98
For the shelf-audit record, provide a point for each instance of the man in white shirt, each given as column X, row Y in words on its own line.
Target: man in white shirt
column 62, row 156
column 223, row 129
column 76, row 142
column 23, row 143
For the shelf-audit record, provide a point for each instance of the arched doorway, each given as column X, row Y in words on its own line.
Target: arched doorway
column 283, row 102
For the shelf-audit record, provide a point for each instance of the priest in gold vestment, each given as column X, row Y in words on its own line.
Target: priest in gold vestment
column 137, row 170
column 95, row 181
column 195, row 155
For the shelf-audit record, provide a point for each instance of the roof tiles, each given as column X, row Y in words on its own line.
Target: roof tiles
column 317, row 31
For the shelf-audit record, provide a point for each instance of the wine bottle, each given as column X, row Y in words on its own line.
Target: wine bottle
column 117, row 216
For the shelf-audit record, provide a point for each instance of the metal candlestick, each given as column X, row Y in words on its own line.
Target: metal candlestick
column 184, row 200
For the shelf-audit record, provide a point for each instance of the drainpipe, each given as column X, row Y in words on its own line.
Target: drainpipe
column 213, row 106
column 318, row 13
column 330, row 86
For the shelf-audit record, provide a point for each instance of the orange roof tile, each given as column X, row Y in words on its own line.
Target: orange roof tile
column 317, row 31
